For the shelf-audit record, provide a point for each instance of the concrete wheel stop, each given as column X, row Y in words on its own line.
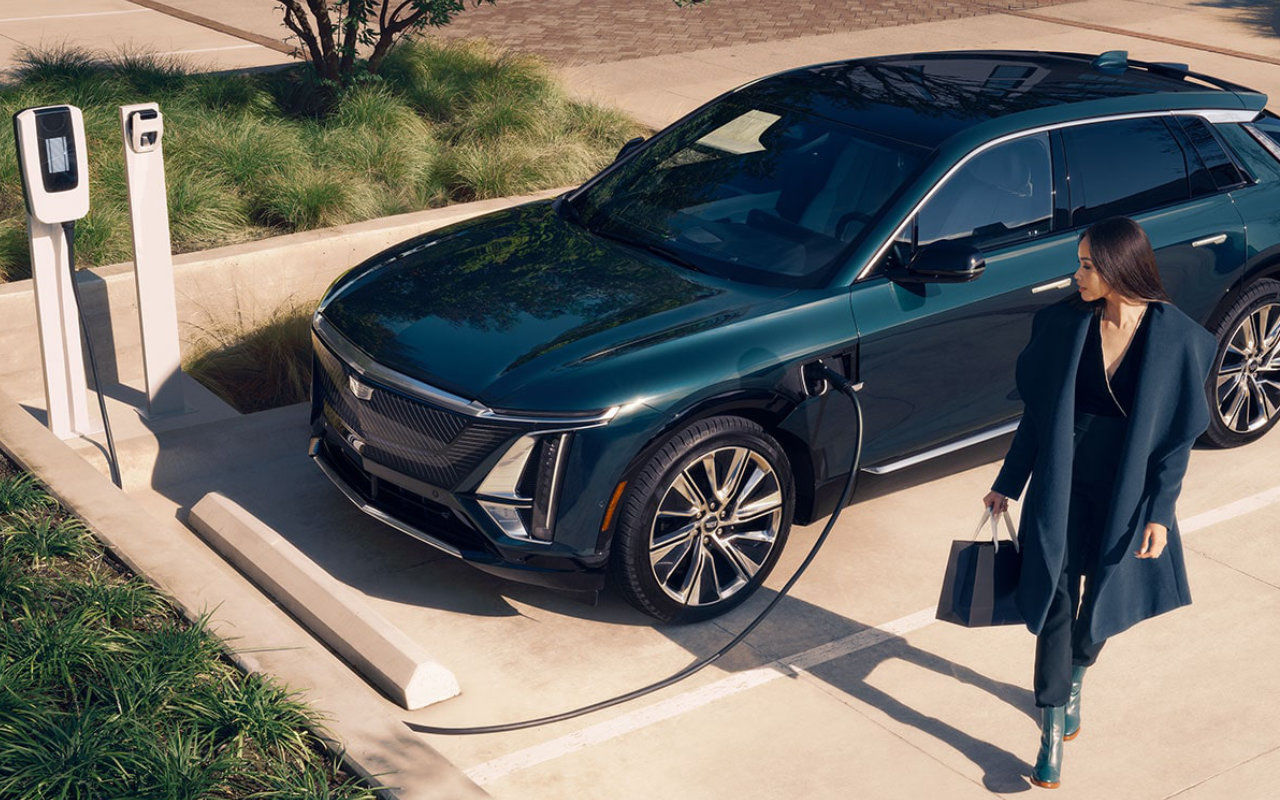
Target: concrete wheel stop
column 330, row 609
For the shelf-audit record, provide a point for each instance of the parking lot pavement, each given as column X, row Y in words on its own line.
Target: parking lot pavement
column 570, row 32
column 119, row 25
column 850, row 689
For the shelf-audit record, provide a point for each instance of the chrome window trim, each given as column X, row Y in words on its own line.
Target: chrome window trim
column 1210, row 114
column 1213, row 115
column 1263, row 139
column 356, row 358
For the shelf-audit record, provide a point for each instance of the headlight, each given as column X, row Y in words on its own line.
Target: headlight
column 520, row 492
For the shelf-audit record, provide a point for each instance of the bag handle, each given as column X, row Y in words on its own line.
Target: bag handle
column 995, row 532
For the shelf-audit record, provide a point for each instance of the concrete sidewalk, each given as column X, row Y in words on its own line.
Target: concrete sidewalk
column 120, row 25
column 658, row 90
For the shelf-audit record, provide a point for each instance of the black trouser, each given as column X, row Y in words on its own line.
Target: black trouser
column 1064, row 639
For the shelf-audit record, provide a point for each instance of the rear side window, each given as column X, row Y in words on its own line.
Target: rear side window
column 1124, row 167
column 1213, row 159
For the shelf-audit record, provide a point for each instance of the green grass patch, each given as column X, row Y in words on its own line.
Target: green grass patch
column 107, row 692
column 253, row 367
column 255, row 155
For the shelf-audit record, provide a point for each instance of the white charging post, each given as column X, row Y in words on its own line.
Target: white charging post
column 53, row 163
column 143, row 129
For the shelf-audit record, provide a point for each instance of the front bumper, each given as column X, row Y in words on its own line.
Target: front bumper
column 442, row 520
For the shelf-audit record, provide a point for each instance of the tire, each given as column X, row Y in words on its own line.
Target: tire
column 1244, row 392
column 699, row 527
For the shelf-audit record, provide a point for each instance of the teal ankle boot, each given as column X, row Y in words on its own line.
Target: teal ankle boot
column 1048, row 766
column 1072, row 725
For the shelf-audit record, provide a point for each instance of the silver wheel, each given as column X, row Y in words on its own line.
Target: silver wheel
column 1248, row 381
column 715, row 526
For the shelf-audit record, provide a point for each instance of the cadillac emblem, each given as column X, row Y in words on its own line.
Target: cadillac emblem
column 360, row 390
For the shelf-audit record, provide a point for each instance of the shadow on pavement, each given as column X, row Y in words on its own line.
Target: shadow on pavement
column 1261, row 14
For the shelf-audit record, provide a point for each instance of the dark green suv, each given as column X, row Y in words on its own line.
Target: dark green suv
column 621, row 380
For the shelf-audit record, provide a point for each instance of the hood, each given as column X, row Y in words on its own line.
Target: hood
column 482, row 307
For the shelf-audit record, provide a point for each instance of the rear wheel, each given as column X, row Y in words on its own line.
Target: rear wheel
column 704, row 520
column 1244, row 394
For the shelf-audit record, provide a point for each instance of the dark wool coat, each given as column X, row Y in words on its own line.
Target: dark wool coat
column 1169, row 412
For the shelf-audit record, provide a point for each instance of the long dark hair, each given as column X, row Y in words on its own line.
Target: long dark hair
column 1122, row 255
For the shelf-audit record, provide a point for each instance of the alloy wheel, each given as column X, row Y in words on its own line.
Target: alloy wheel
column 715, row 526
column 1247, row 387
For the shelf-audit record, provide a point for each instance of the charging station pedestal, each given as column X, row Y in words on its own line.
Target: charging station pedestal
column 65, row 388
column 53, row 166
column 143, row 127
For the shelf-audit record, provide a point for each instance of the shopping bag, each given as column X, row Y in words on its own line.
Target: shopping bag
column 981, row 579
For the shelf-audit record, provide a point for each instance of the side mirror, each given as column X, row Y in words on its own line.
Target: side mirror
column 630, row 145
column 943, row 262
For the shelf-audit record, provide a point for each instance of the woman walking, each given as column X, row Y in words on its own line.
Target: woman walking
column 1113, row 387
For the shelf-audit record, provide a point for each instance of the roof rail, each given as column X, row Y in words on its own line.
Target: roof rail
column 1182, row 72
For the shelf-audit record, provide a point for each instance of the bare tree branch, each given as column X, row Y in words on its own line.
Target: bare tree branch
column 356, row 17
column 295, row 19
column 391, row 19
column 332, row 45
column 408, row 22
column 325, row 33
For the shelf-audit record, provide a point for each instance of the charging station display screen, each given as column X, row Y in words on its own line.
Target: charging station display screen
column 57, row 155
column 57, row 149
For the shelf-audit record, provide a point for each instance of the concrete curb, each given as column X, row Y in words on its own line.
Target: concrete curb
column 331, row 609
column 359, row 723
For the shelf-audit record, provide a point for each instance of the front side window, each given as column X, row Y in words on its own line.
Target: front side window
column 760, row 194
column 1001, row 196
column 1124, row 167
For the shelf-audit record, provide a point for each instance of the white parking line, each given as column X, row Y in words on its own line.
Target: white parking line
column 81, row 14
column 1245, row 505
column 497, row 768
column 209, row 49
column 736, row 682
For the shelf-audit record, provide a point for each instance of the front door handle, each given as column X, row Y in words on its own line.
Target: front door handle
column 1219, row 239
column 1061, row 283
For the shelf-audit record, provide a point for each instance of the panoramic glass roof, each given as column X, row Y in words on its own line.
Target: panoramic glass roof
column 925, row 98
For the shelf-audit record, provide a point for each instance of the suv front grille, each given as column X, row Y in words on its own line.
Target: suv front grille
column 421, row 440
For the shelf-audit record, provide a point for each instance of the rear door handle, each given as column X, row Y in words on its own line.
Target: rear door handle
column 1061, row 283
column 1219, row 239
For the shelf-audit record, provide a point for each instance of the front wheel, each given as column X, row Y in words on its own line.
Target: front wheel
column 704, row 520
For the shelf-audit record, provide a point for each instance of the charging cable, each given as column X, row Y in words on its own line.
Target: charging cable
column 841, row 384
column 69, row 230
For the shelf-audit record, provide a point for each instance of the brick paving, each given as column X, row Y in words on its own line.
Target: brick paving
column 575, row 32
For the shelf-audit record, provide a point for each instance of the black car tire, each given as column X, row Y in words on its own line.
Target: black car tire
column 722, row 437
column 1252, row 301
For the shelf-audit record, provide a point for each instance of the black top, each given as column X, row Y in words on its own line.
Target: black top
column 1091, row 377
column 925, row 98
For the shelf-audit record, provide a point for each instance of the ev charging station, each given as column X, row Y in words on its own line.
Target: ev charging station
column 143, row 128
column 53, row 163
column 52, row 159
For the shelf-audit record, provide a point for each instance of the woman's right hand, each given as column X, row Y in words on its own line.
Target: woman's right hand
column 997, row 502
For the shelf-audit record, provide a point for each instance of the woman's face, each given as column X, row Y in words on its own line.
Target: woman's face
column 1091, row 285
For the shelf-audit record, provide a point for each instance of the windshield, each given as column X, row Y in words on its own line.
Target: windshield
column 756, row 193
